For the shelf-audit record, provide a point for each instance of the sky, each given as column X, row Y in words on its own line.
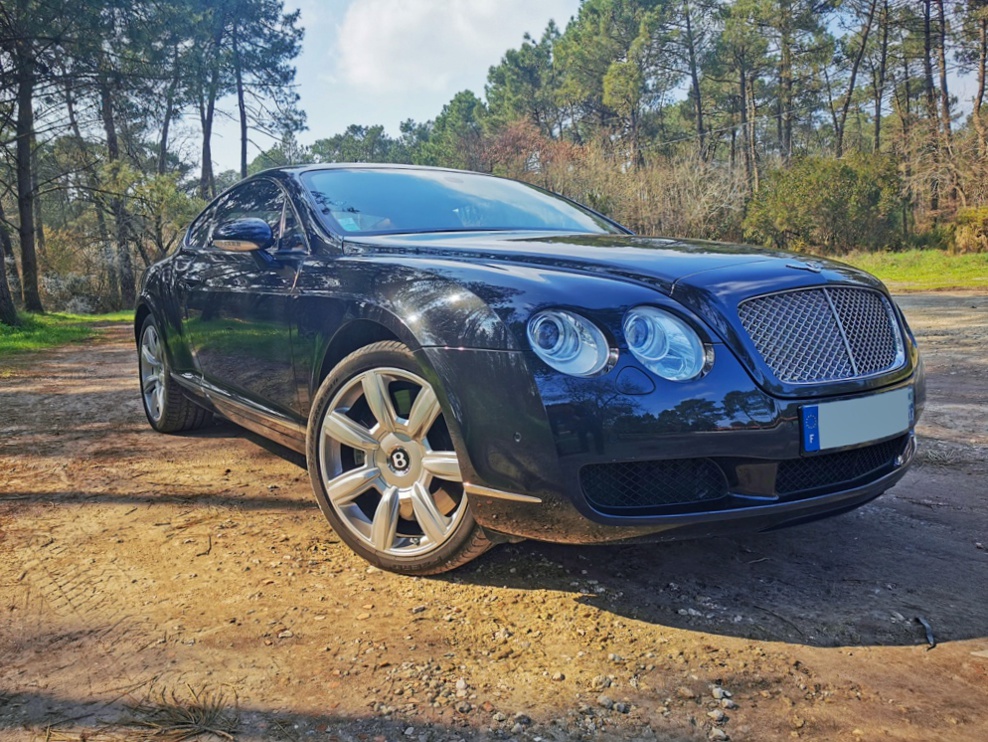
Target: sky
column 383, row 61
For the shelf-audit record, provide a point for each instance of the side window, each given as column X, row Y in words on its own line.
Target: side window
column 291, row 234
column 201, row 230
column 259, row 199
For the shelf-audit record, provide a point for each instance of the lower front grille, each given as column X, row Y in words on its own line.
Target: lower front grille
column 636, row 487
column 844, row 468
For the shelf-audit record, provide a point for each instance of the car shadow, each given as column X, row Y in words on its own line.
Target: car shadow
column 863, row 578
column 859, row 579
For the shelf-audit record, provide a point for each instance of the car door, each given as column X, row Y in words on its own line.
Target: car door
column 238, row 304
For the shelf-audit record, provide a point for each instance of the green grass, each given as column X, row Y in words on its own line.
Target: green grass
column 39, row 331
column 924, row 270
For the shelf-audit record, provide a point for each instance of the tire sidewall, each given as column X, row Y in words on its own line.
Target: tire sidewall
column 157, row 425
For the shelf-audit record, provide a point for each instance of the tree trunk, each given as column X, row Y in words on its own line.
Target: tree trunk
column 752, row 142
column 169, row 112
column 695, row 80
column 39, row 224
column 931, row 107
column 8, row 312
column 786, row 80
column 95, row 188
column 125, row 265
column 942, row 69
column 946, row 148
column 865, row 32
column 882, row 72
column 7, row 253
column 241, row 106
column 25, row 179
column 207, row 110
column 979, row 97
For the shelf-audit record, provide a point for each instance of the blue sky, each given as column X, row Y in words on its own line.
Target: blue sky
column 383, row 61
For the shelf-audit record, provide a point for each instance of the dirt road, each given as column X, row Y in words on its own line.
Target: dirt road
column 138, row 569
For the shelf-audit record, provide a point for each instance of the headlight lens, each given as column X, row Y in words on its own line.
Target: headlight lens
column 568, row 342
column 664, row 344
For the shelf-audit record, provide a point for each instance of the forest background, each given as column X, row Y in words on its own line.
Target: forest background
column 826, row 126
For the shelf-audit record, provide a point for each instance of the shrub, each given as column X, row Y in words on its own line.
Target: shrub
column 829, row 206
column 970, row 231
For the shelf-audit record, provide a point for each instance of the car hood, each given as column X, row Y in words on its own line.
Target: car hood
column 697, row 273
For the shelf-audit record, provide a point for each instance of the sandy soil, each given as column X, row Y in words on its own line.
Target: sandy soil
column 139, row 570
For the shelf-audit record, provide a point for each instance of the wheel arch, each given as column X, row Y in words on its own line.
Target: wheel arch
column 353, row 336
column 141, row 314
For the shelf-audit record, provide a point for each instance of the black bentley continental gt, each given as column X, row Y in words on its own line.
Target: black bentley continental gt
column 465, row 360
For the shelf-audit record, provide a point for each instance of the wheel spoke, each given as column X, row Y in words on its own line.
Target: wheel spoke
column 443, row 464
column 432, row 522
column 379, row 400
column 149, row 357
column 148, row 383
column 346, row 488
column 423, row 414
column 348, row 432
column 385, row 523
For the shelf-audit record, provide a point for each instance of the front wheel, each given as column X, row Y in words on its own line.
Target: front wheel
column 384, row 468
column 166, row 406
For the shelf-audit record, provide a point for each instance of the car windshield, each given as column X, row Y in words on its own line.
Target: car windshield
column 394, row 201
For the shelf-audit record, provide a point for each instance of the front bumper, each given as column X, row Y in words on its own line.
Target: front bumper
column 533, row 438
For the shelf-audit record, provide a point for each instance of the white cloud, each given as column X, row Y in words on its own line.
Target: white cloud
column 402, row 46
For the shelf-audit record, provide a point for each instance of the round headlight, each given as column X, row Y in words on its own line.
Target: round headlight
column 568, row 342
column 664, row 344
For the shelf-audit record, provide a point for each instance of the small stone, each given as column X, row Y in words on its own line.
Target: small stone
column 410, row 731
column 720, row 693
column 622, row 708
column 418, row 609
column 718, row 734
column 464, row 707
column 684, row 692
column 600, row 682
column 363, row 616
column 517, row 729
column 605, row 702
column 461, row 684
column 558, row 676
column 499, row 716
column 717, row 715
column 522, row 718
column 728, row 704
column 286, row 634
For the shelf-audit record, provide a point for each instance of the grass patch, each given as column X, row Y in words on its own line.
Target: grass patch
column 40, row 331
column 924, row 270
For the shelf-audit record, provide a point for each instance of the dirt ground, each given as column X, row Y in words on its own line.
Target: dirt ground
column 164, row 584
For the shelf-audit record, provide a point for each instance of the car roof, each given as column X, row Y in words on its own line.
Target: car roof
column 312, row 167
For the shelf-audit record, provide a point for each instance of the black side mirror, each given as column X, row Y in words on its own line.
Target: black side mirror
column 243, row 235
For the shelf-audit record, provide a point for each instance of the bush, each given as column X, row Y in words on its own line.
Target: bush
column 828, row 206
column 970, row 231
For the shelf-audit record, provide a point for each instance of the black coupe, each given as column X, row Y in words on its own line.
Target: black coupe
column 465, row 359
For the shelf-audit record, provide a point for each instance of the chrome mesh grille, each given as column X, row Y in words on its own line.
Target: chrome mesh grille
column 823, row 334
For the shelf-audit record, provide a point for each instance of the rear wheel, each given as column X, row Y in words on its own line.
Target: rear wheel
column 166, row 406
column 384, row 467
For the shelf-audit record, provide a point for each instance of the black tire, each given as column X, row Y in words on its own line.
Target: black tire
column 167, row 407
column 397, row 499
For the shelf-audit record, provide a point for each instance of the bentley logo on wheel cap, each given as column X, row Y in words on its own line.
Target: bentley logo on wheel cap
column 398, row 461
